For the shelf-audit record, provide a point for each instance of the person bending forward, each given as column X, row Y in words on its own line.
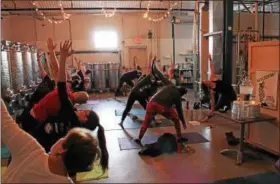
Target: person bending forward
column 141, row 92
column 162, row 103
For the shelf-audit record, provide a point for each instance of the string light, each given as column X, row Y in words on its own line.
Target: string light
column 109, row 15
column 64, row 15
column 165, row 15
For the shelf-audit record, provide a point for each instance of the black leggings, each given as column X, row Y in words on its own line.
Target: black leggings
column 223, row 101
column 123, row 80
column 130, row 101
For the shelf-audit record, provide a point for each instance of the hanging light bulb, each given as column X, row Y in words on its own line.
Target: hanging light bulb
column 145, row 15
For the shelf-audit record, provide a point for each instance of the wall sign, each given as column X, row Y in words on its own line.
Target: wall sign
column 267, row 88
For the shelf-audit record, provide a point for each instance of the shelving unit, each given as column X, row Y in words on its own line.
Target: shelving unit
column 184, row 72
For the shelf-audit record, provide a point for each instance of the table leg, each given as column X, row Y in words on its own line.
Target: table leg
column 241, row 145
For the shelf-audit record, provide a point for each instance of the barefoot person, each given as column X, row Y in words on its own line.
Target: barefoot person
column 225, row 92
column 141, row 92
column 162, row 103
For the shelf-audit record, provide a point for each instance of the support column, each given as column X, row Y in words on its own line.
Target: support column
column 227, row 64
column 216, row 24
column 173, row 39
column 203, row 47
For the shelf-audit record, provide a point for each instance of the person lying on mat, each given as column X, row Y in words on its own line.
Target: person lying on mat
column 141, row 92
column 162, row 103
column 31, row 164
column 128, row 78
column 225, row 92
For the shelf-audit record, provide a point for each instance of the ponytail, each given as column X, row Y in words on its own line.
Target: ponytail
column 104, row 161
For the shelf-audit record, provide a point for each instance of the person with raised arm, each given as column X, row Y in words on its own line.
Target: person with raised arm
column 225, row 91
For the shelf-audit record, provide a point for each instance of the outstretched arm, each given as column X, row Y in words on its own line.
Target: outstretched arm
column 160, row 76
column 62, row 90
column 19, row 143
column 212, row 67
column 42, row 70
column 171, row 70
column 54, row 62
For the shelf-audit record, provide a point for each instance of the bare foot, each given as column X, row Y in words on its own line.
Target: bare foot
column 121, row 124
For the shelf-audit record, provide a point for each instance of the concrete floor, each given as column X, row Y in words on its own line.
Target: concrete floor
column 203, row 164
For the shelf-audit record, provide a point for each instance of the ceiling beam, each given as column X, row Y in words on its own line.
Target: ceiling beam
column 244, row 5
column 73, row 9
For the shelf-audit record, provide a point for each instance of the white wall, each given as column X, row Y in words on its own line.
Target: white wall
column 28, row 30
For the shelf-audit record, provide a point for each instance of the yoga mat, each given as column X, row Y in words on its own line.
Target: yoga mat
column 85, row 106
column 127, row 144
column 3, row 170
column 5, row 152
column 95, row 174
column 133, row 111
column 263, row 178
column 130, row 124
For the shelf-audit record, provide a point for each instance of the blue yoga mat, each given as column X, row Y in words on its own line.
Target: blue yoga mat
column 127, row 144
column 133, row 111
column 5, row 152
column 262, row 178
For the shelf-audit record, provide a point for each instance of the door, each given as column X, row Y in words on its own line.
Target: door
column 138, row 56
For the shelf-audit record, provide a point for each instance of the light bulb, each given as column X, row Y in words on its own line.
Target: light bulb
column 145, row 15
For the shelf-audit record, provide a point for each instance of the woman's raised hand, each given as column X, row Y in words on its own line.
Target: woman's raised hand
column 65, row 49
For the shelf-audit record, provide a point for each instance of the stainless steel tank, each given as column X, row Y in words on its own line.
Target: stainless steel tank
column 114, row 75
column 91, row 75
column 35, row 67
column 5, row 67
column 27, row 64
column 16, row 66
column 100, row 77
column 107, row 77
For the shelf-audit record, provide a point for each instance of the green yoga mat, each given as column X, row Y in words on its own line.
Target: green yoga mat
column 262, row 178
column 3, row 170
column 5, row 152
column 95, row 174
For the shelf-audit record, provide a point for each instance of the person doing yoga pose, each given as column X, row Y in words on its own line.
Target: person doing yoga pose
column 225, row 92
column 31, row 164
column 145, row 88
column 162, row 103
column 128, row 78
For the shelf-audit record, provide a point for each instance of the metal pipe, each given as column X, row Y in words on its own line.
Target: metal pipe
column 173, row 39
column 243, row 4
column 70, row 34
column 88, row 8
column 263, row 19
column 256, row 16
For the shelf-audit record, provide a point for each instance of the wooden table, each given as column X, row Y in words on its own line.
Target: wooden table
column 242, row 123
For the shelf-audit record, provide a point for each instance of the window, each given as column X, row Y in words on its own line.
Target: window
column 106, row 40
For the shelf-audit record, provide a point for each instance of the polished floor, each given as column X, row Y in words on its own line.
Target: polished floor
column 203, row 164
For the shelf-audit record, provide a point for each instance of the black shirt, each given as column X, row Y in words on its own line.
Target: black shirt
column 225, row 89
column 131, row 75
column 170, row 96
column 46, row 86
column 145, row 87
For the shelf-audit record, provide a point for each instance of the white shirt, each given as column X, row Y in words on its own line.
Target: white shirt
column 29, row 159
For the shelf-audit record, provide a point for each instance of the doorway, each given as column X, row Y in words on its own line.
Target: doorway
column 138, row 56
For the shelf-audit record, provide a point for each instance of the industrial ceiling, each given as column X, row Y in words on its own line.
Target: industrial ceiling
column 52, row 7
